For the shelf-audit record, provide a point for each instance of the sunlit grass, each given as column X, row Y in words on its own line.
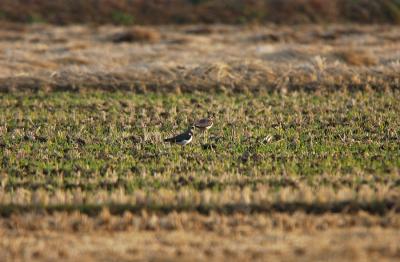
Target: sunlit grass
column 54, row 139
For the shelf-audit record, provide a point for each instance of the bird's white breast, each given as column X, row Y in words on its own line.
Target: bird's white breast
column 208, row 127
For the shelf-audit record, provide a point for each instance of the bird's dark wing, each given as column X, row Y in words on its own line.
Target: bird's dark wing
column 181, row 137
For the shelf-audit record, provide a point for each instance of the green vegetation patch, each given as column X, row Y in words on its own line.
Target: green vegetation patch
column 45, row 137
column 200, row 11
column 314, row 152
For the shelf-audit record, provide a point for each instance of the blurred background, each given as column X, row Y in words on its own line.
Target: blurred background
column 144, row 12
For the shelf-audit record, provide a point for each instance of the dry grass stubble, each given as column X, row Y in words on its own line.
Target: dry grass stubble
column 297, row 237
column 224, row 59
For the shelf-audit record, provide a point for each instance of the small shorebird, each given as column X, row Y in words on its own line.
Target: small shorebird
column 204, row 124
column 182, row 139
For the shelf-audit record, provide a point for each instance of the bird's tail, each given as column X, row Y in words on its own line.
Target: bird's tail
column 168, row 140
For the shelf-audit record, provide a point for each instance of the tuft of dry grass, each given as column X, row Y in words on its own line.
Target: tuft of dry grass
column 70, row 61
column 136, row 34
column 357, row 57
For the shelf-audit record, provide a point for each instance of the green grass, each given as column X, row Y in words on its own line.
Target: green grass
column 121, row 18
column 112, row 140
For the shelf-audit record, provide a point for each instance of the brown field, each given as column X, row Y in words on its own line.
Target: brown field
column 191, row 236
column 186, row 214
column 199, row 58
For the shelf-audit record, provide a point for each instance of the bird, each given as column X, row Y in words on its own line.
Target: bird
column 204, row 123
column 182, row 139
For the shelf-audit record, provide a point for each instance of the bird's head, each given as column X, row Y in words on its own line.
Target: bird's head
column 211, row 115
column 191, row 129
